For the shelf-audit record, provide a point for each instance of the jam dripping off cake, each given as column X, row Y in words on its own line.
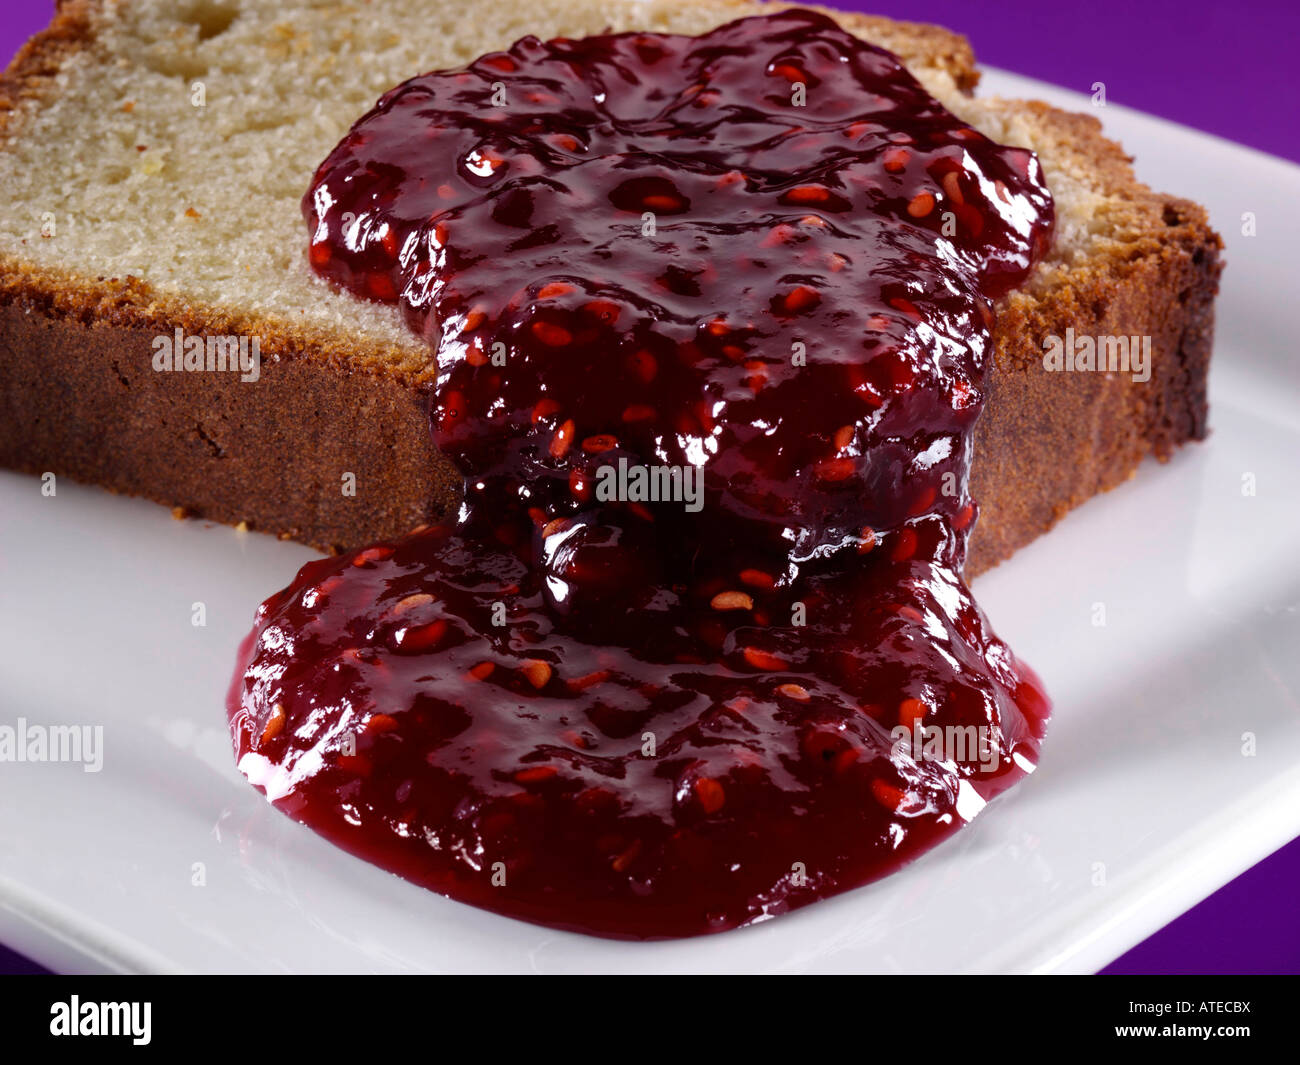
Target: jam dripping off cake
column 760, row 262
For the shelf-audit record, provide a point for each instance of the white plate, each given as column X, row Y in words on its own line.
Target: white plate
column 1143, row 803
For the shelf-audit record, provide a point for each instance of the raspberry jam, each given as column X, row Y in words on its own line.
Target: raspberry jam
column 710, row 321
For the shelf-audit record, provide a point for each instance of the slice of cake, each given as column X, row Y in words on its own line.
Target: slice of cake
column 154, row 154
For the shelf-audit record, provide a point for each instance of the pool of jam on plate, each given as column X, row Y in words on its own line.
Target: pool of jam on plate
column 765, row 252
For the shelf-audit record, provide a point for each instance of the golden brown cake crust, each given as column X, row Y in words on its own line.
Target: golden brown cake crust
column 79, row 397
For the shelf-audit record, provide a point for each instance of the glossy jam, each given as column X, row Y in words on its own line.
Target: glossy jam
column 766, row 254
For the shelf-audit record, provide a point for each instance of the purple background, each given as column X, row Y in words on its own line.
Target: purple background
column 1227, row 69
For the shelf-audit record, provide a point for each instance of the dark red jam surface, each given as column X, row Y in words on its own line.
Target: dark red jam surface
column 765, row 257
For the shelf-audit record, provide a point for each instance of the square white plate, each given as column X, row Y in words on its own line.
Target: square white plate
column 1144, row 802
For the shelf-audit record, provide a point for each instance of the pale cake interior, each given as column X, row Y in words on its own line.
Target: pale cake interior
column 199, row 195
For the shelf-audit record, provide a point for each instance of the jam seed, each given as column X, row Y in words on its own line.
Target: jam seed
column 790, row 72
column 605, row 310
column 381, row 723
column 895, row 159
column 371, row 554
column 482, row 671
column 921, row 204
column 844, row 436
column 764, row 660
column 656, row 201
column 553, row 336
column 890, row 797
column 904, row 546
column 779, row 234
column 806, row 194
column 410, row 602
column 732, row 601
column 274, row 723
column 544, row 409
column 599, row 443
column 710, row 794
column 756, row 578
column 911, row 712
column 421, row 637
column 575, row 739
column 801, row 298
column 907, row 307
column 794, row 691
column 581, row 684
column 923, row 502
column 537, row 672
column 562, row 440
column 536, row 774
column 952, row 187
column 868, row 535
column 553, row 290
